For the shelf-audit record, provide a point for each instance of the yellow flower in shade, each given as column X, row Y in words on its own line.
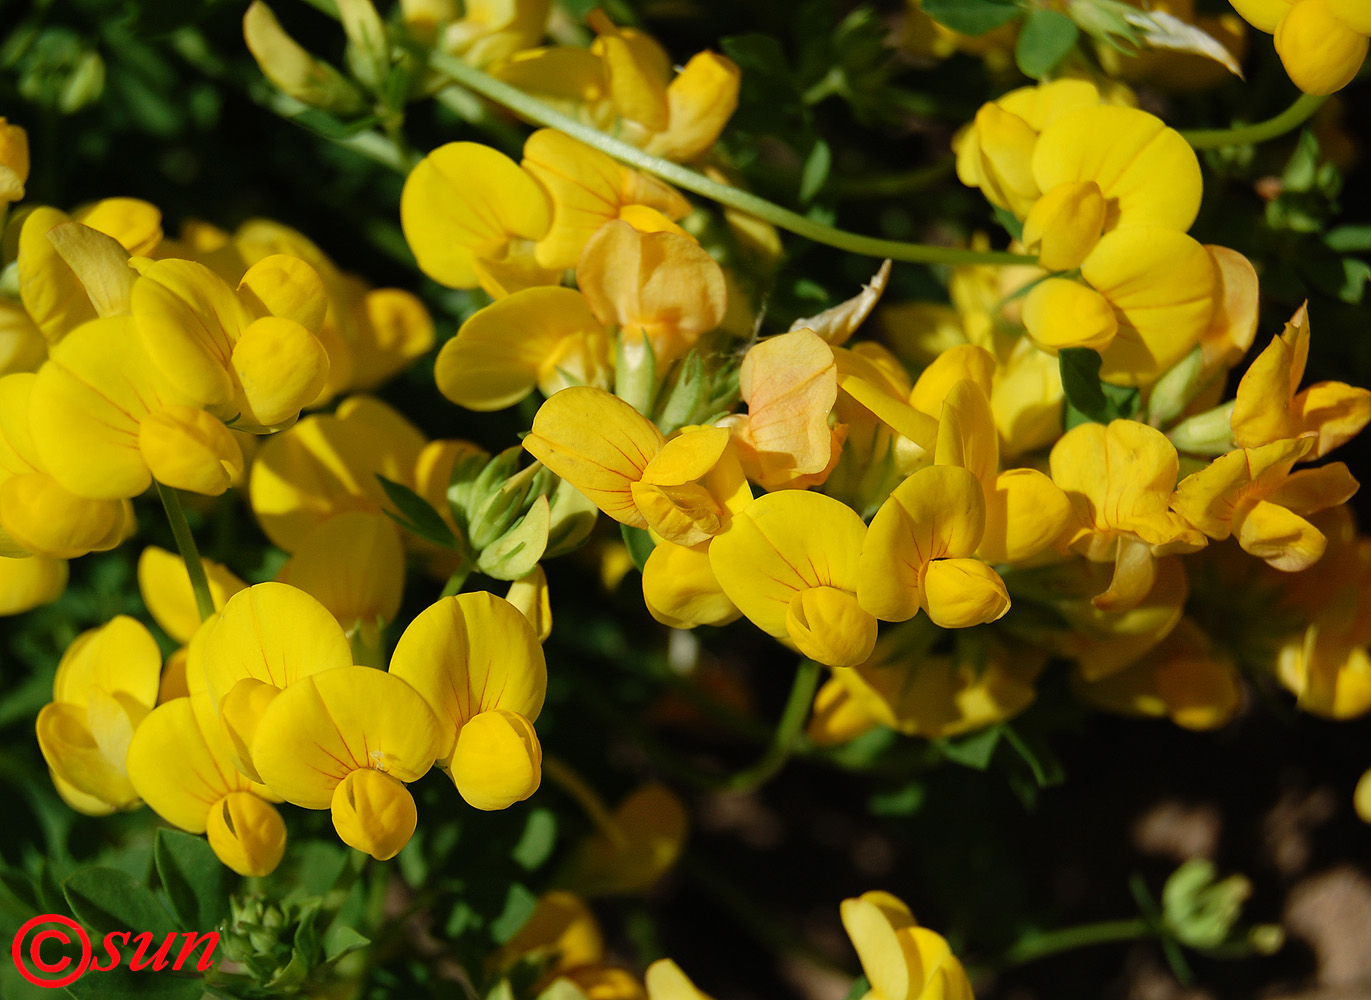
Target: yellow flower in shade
column 488, row 30
column 789, row 563
column 1183, row 678
column 917, row 553
column 646, row 838
column 1024, row 510
column 165, row 586
column 563, row 931
column 790, row 384
column 1322, row 43
column 106, row 684
column 38, row 516
column 51, row 291
column 685, row 489
column 354, row 565
column 14, row 161
column 1271, row 408
column 665, row 981
column 530, row 595
column 588, row 189
column 180, row 764
column 1361, row 797
column 1252, row 494
column 902, row 960
column 107, row 422
column 659, row 289
column 29, row 582
column 249, row 354
column 1327, row 664
column 1119, row 478
column 267, row 637
column 544, row 338
column 931, row 696
column 327, row 464
column 349, row 740
column 473, row 217
column 477, row 662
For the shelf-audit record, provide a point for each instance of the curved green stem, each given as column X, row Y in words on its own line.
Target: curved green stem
column 786, row 737
column 570, row 781
column 534, row 110
column 1245, row 135
column 185, row 544
column 891, row 185
column 1037, row 946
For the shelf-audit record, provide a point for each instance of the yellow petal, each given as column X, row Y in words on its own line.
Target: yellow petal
column 681, row 590
column 27, row 583
column 700, row 101
column 1236, row 308
column 959, row 593
column 1264, row 15
column 637, row 69
column 1335, row 411
column 598, row 443
column 187, row 449
column 165, row 588
column 14, row 161
column 240, row 714
column 76, row 757
column 1321, row 53
column 1065, row 224
column 1353, row 14
column 650, row 827
column 937, row 512
column 1001, row 159
column 1062, row 313
column 285, row 286
column 562, row 927
column 247, row 834
column 783, row 543
column 497, row 760
column 888, row 958
column 393, row 329
column 1024, row 513
column 506, row 349
column 43, row 518
column 838, row 717
column 790, row 384
column 327, row 725
column 51, row 293
column 1209, row 499
column 354, row 565
column 666, row 981
column 966, row 433
column 1281, row 537
column 100, row 264
column 272, row 633
column 466, row 201
column 281, row 367
column 828, row 625
column 1312, row 490
column 374, row 813
column 470, row 654
column 529, row 594
column 1146, row 172
column 964, row 361
column 120, row 658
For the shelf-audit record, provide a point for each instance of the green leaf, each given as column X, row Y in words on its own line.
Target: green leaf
column 328, row 126
column 342, row 940
column 974, row 751
column 1010, row 222
column 815, row 172
column 106, row 899
column 971, row 17
column 416, row 514
column 537, row 841
column 640, row 544
column 519, row 904
column 1089, row 398
column 860, row 988
column 904, row 801
column 194, row 879
column 1046, row 39
column 1047, row 769
column 121, row 984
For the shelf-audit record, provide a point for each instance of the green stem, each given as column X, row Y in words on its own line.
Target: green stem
column 890, row 185
column 529, row 107
column 1245, row 135
column 786, row 737
column 1037, row 946
column 185, row 544
column 570, row 781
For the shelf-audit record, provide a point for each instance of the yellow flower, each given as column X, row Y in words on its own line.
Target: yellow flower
column 1183, row 678
column 14, row 161
column 666, row 981
column 661, row 290
column 250, row 354
column 473, row 218
column 181, row 765
column 1322, row 43
column 349, row 739
column 1251, row 493
column 106, row 684
column 902, row 960
column 544, row 338
column 651, row 826
column 563, row 930
column 488, row 30
column 478, row 664
column 38, row 515
column 789, row 563
column 681, row 590
column 165, row 587
column 917, row 553
column 354, row 565
column 30, row 581
column 1271, row 408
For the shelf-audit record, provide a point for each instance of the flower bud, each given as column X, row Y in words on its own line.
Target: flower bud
column 247, row 834
column 498, row 760
column 374, row 813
